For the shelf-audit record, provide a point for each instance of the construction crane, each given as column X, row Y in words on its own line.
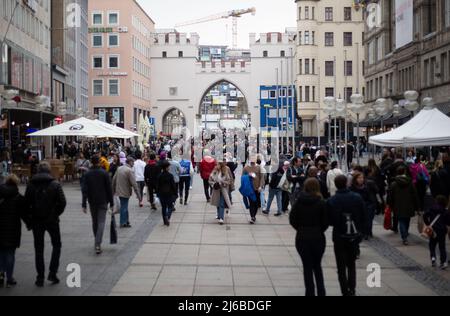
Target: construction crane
column 235, row 14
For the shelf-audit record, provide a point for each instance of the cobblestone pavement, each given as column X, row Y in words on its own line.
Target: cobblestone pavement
column 196, row 256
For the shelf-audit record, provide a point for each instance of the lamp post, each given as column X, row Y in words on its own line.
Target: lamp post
column 411, row 104
column 357, row 108
column 330, row 109
column 341, row 109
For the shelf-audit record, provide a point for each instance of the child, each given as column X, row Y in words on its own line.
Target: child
column 439, row 228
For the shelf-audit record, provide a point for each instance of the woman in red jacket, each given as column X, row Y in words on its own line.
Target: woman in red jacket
column 207, row 166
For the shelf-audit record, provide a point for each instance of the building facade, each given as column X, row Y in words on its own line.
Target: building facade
column 226, row 92
column 330, row 58
column 25, row 67
column 119, row 58
column 417, row 60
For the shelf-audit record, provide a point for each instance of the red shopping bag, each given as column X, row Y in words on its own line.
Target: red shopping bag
column 388, row 218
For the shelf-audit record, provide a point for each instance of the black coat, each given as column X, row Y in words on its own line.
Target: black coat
column 55, row 200
column 440, row 227
column 309, row 217
column 152, row 173
column 97, row 188
column 166, row 187
column 440, row 183
column 12, row 211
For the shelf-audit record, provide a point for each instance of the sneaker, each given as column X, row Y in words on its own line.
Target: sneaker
column 433, row 262
column 405, row 243
column 444, row 266
column 190, row 188
column 265, row 212
column 11, row 283
column 166, row 221
column 154, row 207
column 98, row 250
column 2, row 280
column 39, row 282
column 53, row 279
column 217, row 217
column 185, row 203
column 278, row 214
column 221, row 221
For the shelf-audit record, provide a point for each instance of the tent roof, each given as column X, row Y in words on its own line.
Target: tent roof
column 82, row 127
column 428, row 128
column 116, row 129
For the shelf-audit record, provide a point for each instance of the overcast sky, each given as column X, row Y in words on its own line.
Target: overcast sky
column 271, row 16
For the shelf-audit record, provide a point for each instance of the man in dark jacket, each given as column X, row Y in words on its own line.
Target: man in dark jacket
column 167, row 192
column 12, row 211
column 404, row 201
column 97, row 189
column 151, row 173
column 296, row 175
column 346, row 212
column 46, row 202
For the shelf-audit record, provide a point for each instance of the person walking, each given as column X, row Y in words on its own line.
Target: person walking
column 221, row 181
column 296, row 176
column 207, row 165
column 254, row 171
column 167, row 192
column 45, row 203
column 275, row 191
column 175, row 170
column 97, row 190
column 82, row 166
column 12, row 212
column 439, row 216
column 332, row 174
column 151, row 174
column 123, row 184
column 421, row 179
column 309, row 217
column 139, row 173
column 104, row 163
column 346, row 213
column 404, row 201
column 186, row 174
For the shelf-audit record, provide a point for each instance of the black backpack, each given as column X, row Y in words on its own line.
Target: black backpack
column 43, row 198
column 348, row 230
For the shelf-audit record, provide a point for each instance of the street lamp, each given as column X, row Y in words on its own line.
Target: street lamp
column 330, row 109
column 411, row 104
column 428, row 103
column 341, row 108
column 357, row 107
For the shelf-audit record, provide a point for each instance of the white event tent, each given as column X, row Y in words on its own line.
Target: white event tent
column 430, row 127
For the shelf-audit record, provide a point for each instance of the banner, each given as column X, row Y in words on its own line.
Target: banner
column 404, row 17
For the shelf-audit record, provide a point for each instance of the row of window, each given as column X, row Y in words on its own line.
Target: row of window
column 307, row 66
column 98, row 18
column 272, row 94
column 266, row 54
column 141, row 68
column 139, row 26
column 25, row 20
column 140, row 47
column 308, row 93
column 113, row 62
column 308, row 13
column 113, row 40
column 113, row 86
column 309, row 38
column 141, row 91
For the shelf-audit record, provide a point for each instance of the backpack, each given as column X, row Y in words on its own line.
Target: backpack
column 42, row 207
column 347, row 229
column 422, row 176
column 185, row 168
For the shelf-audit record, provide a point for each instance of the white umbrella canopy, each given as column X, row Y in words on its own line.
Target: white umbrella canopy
column 428, row 128
column 125, row 133
column 81, row 127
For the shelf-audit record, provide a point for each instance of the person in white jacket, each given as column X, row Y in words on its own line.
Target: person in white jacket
column 186, row 173
column 331, row 176
column 139, row 170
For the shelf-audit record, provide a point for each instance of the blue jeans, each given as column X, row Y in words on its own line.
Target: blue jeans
column 124, row 218
column 278, row 194
column 7, row 262
column 221, row 208
column 262, row 196
column 404, row 227
column 166, row 206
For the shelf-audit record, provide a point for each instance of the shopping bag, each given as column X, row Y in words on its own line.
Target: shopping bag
column 113, row 236
column 428, row 231
column 388, row 218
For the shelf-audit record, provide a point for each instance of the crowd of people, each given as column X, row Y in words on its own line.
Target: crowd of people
column 310, row 187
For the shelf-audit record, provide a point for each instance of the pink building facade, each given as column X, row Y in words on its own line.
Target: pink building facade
column 119, row 56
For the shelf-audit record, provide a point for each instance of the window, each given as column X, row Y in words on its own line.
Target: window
column 113, row 18
column 306, row 37
column 97, row 18
column 313, row 37
column 299, row 38
column 348, row 93
column 300, row 68
column 348, row 68
column 300, row 93
column 329, row 92
column 447, row 13
column 113, row 62
column 307, row 96
column 433, row 71
column 347, row 14
column 180, row 54
column 348, row 38
column 313, row 94
column 429, row 16
column 307, row 69
column 113, row 40
column 283, row 53
column 265, row 54
column 329, row 68
column 329, row 39
column 164, row 54
column 97, row 62
column 97, row 40
column 444, row 66
column 328, row 14
column 299, row 13
column 313, row 13
column 313, row 67
column 97, row 88
column 113, row 87
column 306, row 13
column 272, row 94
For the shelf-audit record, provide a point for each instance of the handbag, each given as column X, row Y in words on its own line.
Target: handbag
column 113, row 235
column 428, row 231
column 388, row 218
column 420, row 223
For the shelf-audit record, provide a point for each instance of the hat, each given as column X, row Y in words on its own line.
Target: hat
column 123, row 158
